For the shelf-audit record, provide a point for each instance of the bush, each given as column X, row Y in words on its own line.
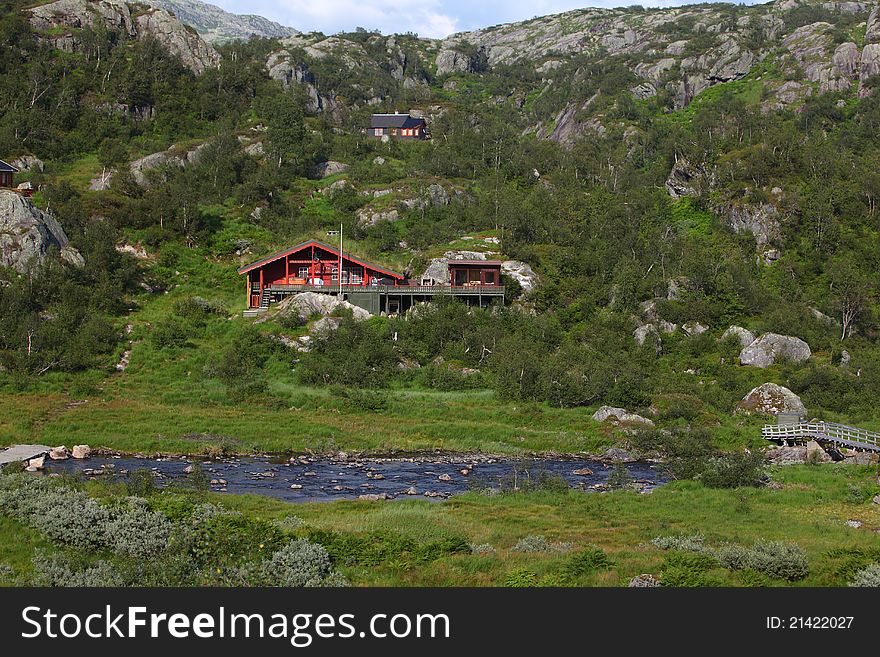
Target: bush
column 586, row 561
column 535, row 543
column 693, row 543
column 619, row 477
column 780, row 560
column 299, row 563
column 170, row 333
column 735, row 470
column 58, row 570
column 682, row 569
column 521, row 578
column 137, row 531
column 483, row 549
column 867, row 577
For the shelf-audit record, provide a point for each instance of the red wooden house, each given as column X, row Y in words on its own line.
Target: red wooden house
column 7, row 171
column 313, row 265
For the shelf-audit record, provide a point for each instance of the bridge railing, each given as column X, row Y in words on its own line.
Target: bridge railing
column 823, row 430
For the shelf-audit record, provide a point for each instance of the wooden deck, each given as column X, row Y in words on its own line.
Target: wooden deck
column 416, row 290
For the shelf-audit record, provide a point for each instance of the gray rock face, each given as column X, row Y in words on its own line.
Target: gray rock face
column 281, row 67
column 869, row 66
column 180, row 40
column 112, row 14
column 27, row 234
column 772, row 347
column 872, row 34
column 330, row 168
column 760, row 220
column 28, row 163
column 218, row 26
column 770, row 399
column 694, row 328
column 367, row 217
column 744, row 336
column 685, row 179
column 306, row 304
column 810, row 45
column 116, row 15
column 622, row 415
column 452, row 61
column 647, row 334
column 522, row 273
column 173, row 157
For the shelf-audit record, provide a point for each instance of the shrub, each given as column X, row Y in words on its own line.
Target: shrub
column 867, row 577
column 535, row 543
column 58, row 570
column 170, row 333
column 693, row 543
column 137, row 531
column 299, row 563
column 482, row 549
column 682, row 569
column 619, row 477
column 586, row 561
column 779, row 560
column 290, row 523
column 734, row 557
column 141, row 482
column 735, row 470
column 521, row 578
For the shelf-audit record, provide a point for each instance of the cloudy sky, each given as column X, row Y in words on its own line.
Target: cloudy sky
column 428, row 18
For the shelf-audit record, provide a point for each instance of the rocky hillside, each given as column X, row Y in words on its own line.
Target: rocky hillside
column 216, row 25
column 61, row 24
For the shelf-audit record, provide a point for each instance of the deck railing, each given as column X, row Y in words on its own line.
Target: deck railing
column 840, row 434
column 465, row 290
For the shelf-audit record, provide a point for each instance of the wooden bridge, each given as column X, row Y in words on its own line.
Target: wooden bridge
column 827, row 434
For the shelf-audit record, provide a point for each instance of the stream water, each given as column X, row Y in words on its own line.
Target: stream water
column 310, row 480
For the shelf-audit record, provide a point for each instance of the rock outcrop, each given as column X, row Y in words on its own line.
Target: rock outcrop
column 621, row 415
column 59, row 21
column 744, row 336
column 770, row 399
column 28, row 234
column 306, row 304
column 522, row 273
column 180, row 40
column 217, row 26
column 772, row 347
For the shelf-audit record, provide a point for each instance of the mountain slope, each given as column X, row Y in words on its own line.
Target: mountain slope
column 216, row 25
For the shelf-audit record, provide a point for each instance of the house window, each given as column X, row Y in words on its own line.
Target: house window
column 334, row 273
column 490, row 278
column 379, row 132
column 303, row 272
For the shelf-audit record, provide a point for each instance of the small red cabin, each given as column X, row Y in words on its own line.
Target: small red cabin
column 7, row 171
column 312, row 265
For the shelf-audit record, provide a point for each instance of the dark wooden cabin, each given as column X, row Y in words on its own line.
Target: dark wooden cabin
column 400, row 126
column 7, row 173
column 464, row 273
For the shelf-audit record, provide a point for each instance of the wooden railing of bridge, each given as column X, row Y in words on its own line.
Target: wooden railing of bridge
column 824, row 432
